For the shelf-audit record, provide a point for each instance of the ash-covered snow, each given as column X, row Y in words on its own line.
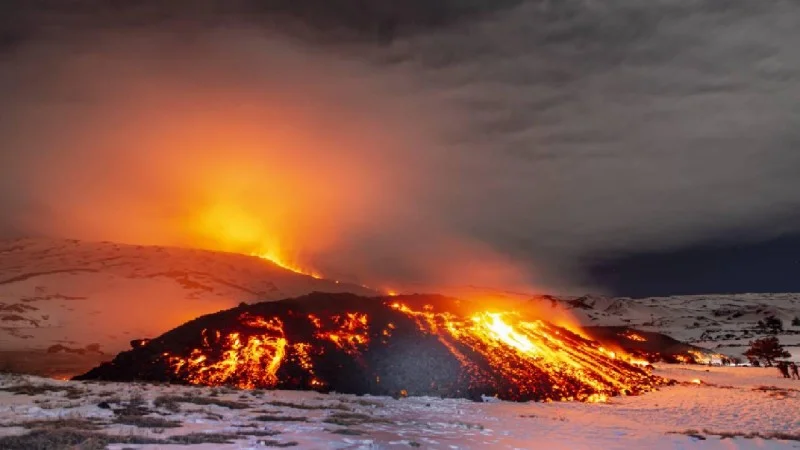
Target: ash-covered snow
column 729, row 399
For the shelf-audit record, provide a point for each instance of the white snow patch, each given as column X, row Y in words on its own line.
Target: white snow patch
column 728, row 399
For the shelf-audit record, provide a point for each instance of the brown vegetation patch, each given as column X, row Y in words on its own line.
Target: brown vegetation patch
column 304, row 406
column 273, row 418
column 57, row 424
column 349, row 419
column 169, row 401
column 38, row 389
column 64, row 438
column 734, row 434
column 147, row 422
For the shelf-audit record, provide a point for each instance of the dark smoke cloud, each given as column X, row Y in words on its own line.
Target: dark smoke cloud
column 458, row 142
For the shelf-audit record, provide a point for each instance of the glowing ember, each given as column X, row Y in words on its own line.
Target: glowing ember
column 350, row 333
column 634, row 336
column 246, row 362
column 415, row 344
column 276, row 258
column 280, row 261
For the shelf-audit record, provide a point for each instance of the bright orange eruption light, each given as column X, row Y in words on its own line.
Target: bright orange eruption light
column 516, row 347
column 278, row 260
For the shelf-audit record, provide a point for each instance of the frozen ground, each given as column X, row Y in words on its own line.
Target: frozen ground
column 729, row 400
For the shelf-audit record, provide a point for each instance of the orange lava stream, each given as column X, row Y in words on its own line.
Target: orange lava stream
column 497, row 350
column 254, row 361
column 351, row 334
column 276, row 259
column 516, row 348
column 634, row 336
column 251, row 362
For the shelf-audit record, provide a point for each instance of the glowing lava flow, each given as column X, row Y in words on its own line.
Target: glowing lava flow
column 634, row 336
column 532, row 354
column 246, row 362
column 383, row 346
column 350, row 334
column 252, row 360
column 276, row 259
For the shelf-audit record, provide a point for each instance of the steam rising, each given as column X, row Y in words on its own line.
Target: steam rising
column 500, row 150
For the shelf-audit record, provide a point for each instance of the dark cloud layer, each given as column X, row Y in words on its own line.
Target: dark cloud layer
column 524, row 136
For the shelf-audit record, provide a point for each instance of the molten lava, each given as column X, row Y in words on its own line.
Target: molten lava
column 515, row 348
column 422, row 345
column 634, row 336
column 281, row 261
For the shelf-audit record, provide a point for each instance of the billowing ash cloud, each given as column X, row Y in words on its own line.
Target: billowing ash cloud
column 454, row 143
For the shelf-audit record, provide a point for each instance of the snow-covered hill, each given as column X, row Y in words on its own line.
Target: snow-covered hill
column 725, row 323
column 81, row 298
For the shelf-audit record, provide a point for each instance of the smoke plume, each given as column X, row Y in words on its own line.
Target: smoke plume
column 403, row 145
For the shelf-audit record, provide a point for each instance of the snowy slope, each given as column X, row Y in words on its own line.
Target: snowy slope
column 726, row 323
column 102, row 295
column 729, row 400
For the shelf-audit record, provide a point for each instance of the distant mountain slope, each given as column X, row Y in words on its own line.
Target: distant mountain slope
column 726, row 323
column 75, row 294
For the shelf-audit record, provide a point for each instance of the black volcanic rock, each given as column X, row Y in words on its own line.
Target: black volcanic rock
column 351, row 344
column 655, row 347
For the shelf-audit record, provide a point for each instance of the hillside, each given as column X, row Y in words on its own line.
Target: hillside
column 89, row 300
column 724, row 323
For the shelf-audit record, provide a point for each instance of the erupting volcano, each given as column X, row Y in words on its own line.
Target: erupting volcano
column 401, row 345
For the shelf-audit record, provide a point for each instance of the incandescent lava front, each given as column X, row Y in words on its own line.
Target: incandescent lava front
column 416, row 344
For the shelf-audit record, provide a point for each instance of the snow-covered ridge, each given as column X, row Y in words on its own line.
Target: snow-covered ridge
column 726, row 323
column 76, row 294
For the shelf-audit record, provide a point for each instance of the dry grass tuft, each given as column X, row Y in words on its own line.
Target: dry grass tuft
column 31, row 389
column 346, row 431
column 274, row 418
column 77, row 423
column 203, row 438
column 170, row 401
column 67, row 438
column 362, row 402
column 350, row 418
column 777, row 392
column 258, row 433
column 147, row 422
column 279, row 444
column 734, row 434
column 304, row 406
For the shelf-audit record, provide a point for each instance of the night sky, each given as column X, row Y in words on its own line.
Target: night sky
column 713, row 268
column 621, row 147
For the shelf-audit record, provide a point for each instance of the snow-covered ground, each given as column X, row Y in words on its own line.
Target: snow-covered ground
column 724, row 323
column 729, row 400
